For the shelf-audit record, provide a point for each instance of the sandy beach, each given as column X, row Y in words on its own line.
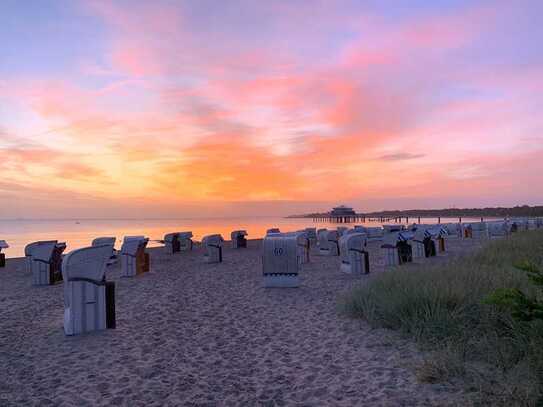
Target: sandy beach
column 196, row 334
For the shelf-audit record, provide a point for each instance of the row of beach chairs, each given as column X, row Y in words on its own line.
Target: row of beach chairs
column 89, row 300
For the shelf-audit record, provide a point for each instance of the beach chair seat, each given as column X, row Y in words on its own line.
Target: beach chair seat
column 171, row 243
column 45, row 262
column 280, row 262
column 89, row 300
column 238, row 239
column 303, row 245
column 185, row 241
column 353, row 254
column 134, row 259
column 3, row 245
column 213, row 248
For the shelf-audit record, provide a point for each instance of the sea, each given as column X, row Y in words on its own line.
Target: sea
column 79, row 233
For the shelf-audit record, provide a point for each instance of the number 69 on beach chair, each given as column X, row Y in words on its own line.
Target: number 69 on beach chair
column 280, row 260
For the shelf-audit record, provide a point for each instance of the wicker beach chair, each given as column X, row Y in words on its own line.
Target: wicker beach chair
column 238, row 239
column 280, row 262
column 213, row 248
column 134, row 260
column 44, row 259
column 89, row 300
column 353, row 254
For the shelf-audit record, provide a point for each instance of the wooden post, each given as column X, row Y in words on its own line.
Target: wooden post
column 419, row 220
column 439, row 220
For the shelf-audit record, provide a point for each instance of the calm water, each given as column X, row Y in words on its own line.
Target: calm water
column 18, row 233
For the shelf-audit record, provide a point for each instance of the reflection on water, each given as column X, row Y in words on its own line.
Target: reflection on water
column 18, row 233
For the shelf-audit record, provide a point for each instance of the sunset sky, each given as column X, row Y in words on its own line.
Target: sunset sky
column 204, row 107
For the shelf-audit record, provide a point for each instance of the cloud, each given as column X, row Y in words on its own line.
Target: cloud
column 400, row 156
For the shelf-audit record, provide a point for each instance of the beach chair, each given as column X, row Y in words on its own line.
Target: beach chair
column 374, row 234
column 497, row 230
column 393, row 228
column 479, row 230
column 185, row 241
column 418, row 243
column 437, row 235
column 238, row 239
column 171, row 243
column 312, row 235
column 45, row 262
column 29, row 249
column 353, row 254
column 329, row 243
column 272, row 230
column 280, row 262
column 341, row 230
column 89, row 300
column 3, row 245
column 213, row 248
column 134, row 260
column 303, row 244
column 396, row 249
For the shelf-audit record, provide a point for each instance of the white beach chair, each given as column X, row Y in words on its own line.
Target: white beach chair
column 3, row 245
column 329, row 243
column 272, row 230
column 29, row 249
column 437, row 234
column 396, row 249
column 312, row 235
column 393, row 228
column 341, row 230
column 45, row 262
column 375, row 234
column 213, row 248
column 497, row 230
column 479, row 230
column 303, row 244
column 171, row 243
column 238, row 239
column 417, row 243
column 280, row 262
column 454, row 230
column 353, row 254
column 89, row 301
column 134, row 260
column 185, row 241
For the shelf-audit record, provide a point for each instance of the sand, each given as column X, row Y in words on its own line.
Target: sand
column 196, row 334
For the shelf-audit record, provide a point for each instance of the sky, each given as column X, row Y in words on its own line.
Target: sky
column 208, row 108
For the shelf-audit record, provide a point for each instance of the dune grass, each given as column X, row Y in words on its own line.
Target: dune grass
column 442, row 307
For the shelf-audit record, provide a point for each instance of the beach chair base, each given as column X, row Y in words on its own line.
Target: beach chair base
column 281, row 280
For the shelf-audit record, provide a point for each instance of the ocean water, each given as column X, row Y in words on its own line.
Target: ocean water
column 80, row 233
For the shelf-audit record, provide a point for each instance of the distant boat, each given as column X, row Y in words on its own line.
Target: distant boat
column 77, row 222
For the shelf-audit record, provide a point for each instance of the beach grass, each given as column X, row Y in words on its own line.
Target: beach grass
column 442, row 306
